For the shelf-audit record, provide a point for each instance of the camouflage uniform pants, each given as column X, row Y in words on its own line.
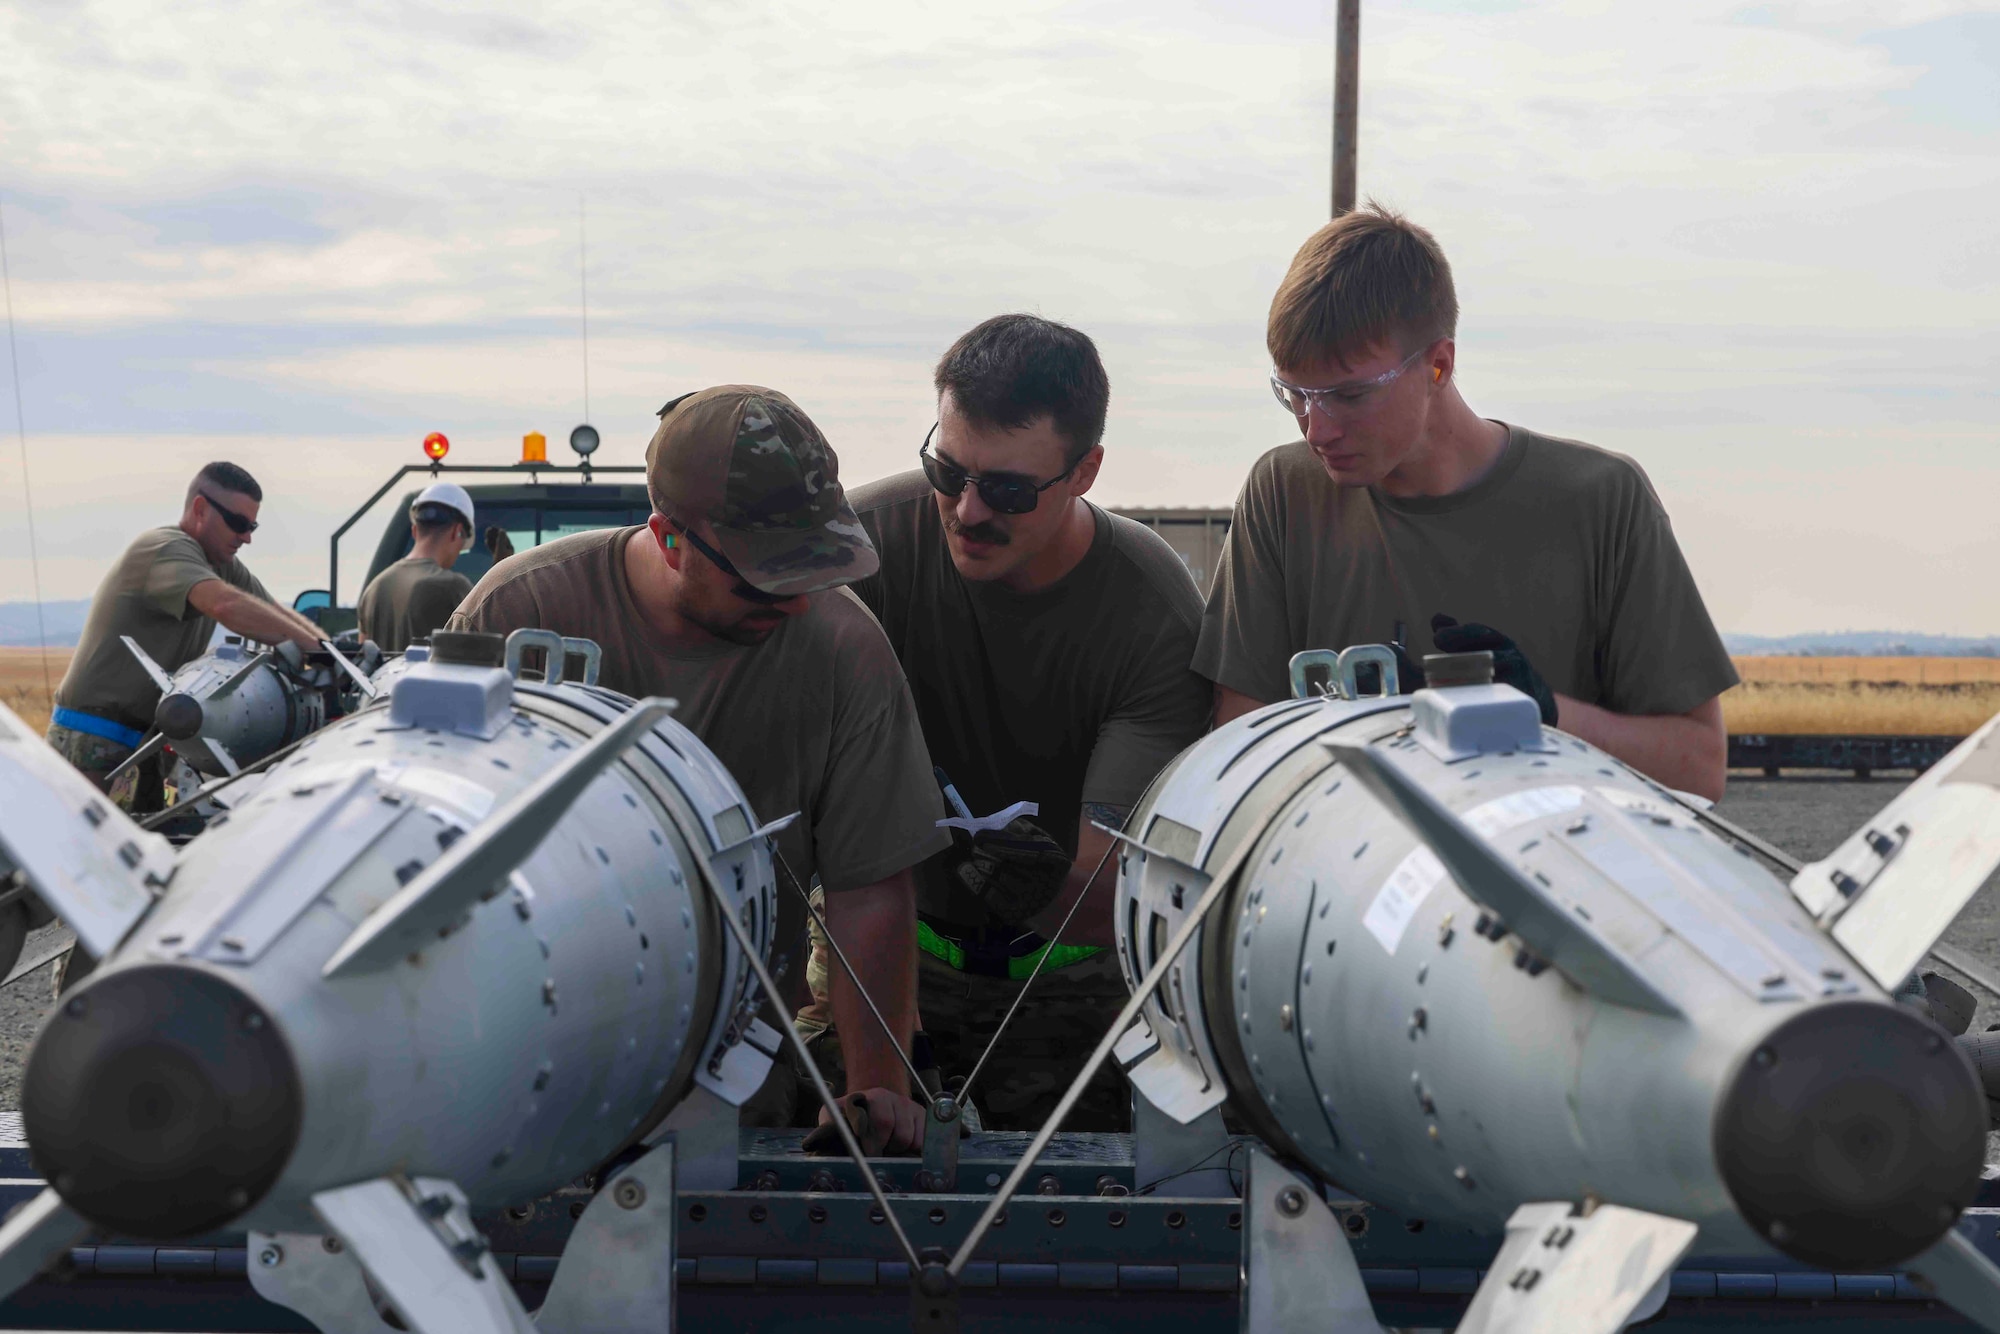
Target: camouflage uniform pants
column 139, row 789
column 1042, row 1051
column 1065, row 1015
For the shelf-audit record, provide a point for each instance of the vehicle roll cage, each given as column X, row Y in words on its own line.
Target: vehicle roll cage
column 435, row 469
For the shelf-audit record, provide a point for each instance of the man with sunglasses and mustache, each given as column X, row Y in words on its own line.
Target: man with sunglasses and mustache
column 1047, row 645
column 731, row 600
column 1403, row 517
column 168, row 592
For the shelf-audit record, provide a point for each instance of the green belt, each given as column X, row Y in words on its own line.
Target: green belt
column 1018, row 966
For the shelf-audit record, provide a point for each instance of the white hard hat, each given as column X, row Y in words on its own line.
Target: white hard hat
column 449, row 494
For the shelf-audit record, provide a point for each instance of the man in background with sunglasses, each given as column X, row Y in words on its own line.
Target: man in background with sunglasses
column 1403, row 517
column 1047, row 645
column 731, row 601
column 168, row 592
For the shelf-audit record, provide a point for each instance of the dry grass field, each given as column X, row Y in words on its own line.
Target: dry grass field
column 1860, row 696
column 21, row 687
column 1863, row 696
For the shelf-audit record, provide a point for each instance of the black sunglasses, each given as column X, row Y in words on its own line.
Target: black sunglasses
column 237, row 523
column 1003, row 492
column 744, row 589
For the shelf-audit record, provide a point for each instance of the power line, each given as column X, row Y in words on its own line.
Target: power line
column 27, row 491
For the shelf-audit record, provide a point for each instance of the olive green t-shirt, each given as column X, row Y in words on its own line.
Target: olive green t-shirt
column 816, row 719
column 408, row 600
column 144, row 596
column 1076, row 693
column 1561, row 545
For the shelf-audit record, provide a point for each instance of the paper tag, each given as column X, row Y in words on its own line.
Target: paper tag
column 1496, row 817
column 1401, row 895
column 986, row 824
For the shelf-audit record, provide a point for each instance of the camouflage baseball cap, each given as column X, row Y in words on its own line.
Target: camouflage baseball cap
column 751, row 463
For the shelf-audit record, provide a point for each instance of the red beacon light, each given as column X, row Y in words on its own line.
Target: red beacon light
column 436, row 446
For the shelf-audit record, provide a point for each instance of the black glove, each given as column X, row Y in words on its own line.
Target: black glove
column 1510, row 666
column 1015, row 872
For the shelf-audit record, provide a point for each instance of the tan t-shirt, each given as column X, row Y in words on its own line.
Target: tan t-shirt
column 144, row 596
column 816, row 719
column 408, row 600
column 1562, row 546
column 1077, row 693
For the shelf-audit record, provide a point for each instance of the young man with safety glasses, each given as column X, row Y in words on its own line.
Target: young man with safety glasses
column 730, row 600
column 1403, row 517
column 167, row 591
column 1047, row 646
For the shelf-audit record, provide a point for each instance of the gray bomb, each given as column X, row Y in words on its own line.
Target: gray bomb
column 468, row 936
column 1471, row 965
column 232, row 706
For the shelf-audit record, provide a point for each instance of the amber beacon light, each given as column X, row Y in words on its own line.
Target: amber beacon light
column 534, row 448
column 436, row 446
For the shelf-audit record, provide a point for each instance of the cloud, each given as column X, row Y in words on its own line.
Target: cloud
column 1729, row 240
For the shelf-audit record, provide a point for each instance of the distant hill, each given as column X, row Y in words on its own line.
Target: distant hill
column 63, row 622
column 65, row 625
column 1863, row 644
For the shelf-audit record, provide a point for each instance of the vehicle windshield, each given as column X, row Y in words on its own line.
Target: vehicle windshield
column 529, row 525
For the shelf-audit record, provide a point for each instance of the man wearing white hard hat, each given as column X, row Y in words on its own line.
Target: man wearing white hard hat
column 419, row 593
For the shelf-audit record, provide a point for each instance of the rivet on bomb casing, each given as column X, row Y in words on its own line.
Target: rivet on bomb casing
column 1291, row 1201
column 271, row 1257
column 253, row 1021
column 77, row 1007
column 628, row 1194
column 1763, row 1058
column 331, row 1245
column 1464, row 1177
column 1285, row 1018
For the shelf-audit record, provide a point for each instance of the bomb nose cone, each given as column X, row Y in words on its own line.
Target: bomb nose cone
column 160, row 1101
column 1853, row 1136
column 178, row 715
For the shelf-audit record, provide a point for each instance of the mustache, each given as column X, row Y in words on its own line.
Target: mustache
column 978, row 532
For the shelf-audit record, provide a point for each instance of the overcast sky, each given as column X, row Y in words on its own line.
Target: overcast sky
column 1751, row 245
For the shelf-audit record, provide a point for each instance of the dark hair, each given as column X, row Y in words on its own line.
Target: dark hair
column 221, row 476
column 1012, row 369
column 1370, row 276
column 431, row 518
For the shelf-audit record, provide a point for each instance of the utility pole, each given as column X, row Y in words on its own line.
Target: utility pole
column 1346, row 102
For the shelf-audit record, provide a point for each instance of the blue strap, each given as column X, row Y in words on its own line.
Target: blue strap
column 92, row 725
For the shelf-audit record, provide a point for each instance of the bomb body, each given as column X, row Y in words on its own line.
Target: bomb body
column 337, row 985
column 1549, row 983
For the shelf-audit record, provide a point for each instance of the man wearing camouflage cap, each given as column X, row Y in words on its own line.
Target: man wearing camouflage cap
column 731, row 600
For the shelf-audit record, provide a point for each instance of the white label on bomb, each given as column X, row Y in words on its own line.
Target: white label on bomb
column 1401, row 895
column 1420, row 872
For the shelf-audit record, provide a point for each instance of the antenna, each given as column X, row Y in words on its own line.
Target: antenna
column 27, row 491
column 583, row 289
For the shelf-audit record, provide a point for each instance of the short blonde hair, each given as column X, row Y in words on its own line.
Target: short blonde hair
column 1368, row 277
